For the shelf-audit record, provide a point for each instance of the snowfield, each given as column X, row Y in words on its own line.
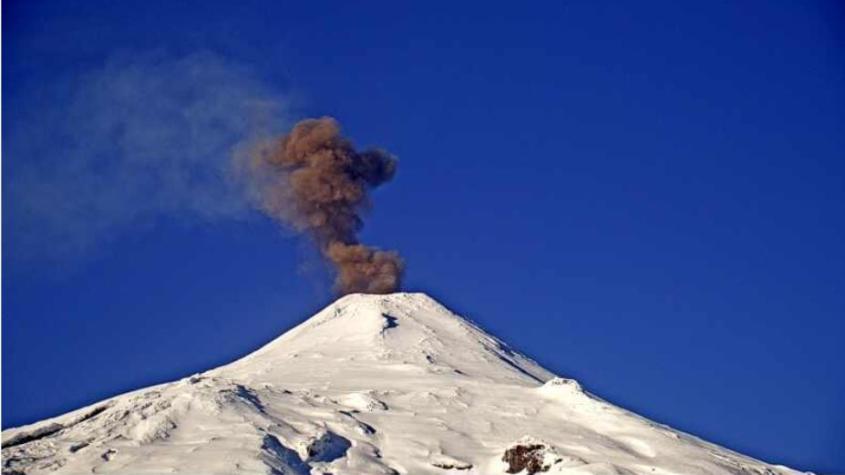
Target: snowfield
column 373, row 384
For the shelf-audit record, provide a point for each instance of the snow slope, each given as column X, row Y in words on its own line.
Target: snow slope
column 373, row 384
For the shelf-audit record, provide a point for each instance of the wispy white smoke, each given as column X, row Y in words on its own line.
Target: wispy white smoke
column 126, row 143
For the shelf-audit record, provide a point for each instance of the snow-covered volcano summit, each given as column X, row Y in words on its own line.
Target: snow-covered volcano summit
column 373, row 384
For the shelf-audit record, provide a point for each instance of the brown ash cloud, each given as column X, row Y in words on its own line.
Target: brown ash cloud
column 314, row 181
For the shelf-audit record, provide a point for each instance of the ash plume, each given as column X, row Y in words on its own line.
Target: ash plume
column 314, row 181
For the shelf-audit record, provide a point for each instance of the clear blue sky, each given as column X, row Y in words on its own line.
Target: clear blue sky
column 646, row 197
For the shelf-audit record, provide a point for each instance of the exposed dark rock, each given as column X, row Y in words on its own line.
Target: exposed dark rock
column 78, row 446
column 46, row 430
column 96, row 412
column 30, row 436
column 452, row 466
column 329, row 446
column 525, row 457
column 390, row 322
column 249, row 396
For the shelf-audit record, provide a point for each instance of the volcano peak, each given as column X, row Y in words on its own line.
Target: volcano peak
column 372, row 384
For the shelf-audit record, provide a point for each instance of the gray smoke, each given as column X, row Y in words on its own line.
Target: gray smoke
column 122, row 145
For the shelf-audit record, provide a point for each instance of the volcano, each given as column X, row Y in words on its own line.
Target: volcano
column 372, row 384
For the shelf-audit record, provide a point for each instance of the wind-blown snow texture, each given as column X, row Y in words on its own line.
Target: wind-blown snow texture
column 373, row 384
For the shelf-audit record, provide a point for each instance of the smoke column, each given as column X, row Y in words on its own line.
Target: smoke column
column 313, row 180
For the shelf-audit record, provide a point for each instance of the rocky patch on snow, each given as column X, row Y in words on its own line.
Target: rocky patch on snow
column 534, row 456
column 446, row 462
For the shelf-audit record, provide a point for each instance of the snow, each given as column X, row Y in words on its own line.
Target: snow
column 372, row 384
